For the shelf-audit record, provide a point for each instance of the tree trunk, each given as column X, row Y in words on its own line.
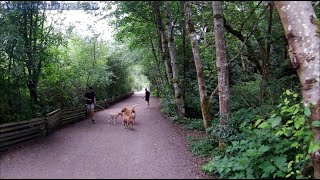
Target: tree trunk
column 32, row 79
column 265, row 56
column 183, row 36
column 156, row 81
column 172, row 51
column 297, row 18
column 244, row 66
column 32, row 30
column 222, row 65
column 163, row 37
column 160, row 48
column 155, row 58
column 204, row 99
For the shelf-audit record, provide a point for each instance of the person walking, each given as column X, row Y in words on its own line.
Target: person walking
column 90, row 98
column 147, row 96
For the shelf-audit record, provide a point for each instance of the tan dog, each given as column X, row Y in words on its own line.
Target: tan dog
column 129, row 116
column 134, row 117
column 114, row 116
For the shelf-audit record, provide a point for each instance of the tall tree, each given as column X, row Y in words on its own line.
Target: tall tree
column 266, row 58
column 204, row 99
column 37, row 39
column 298, row 19
column 183, row 37
column 157, row 64
column 164, row 40
column 172, row 50
column 31, row 23
column 222, row 65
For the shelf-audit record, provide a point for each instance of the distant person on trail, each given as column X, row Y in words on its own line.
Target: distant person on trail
column 146, row 96
column 90, row 98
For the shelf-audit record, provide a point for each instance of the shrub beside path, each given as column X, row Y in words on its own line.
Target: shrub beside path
column 153, row 149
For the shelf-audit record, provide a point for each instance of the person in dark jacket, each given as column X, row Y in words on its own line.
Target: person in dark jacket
column 147, row 96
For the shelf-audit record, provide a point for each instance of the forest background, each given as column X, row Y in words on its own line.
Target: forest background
column 225, row 68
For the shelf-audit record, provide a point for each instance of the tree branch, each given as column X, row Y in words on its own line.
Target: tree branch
column 233, row 31
column 215, row 91
column 253, row 29
column 209, row 44
column 134, row 11
column 244, row 22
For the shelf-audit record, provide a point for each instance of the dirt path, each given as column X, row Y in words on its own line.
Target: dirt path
column 102, row 150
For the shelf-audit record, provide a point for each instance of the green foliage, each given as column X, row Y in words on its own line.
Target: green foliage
column 119, row 66
column 140, row 81
column 200, row 147
column 28, row 47
column 224, row 133
column 274, row 147
column 188, row 123
column 168, row 105
column 245, row 94
column 252, row 122
column 289, row 123
column 193, row 124
column 255, row 156
column 193, row 106
column 67, row 68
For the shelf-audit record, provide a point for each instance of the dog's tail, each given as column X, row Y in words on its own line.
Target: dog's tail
column 134, row 106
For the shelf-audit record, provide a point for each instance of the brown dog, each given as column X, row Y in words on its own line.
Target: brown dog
column 129, row 116
column 114, row 116
column 134, row 117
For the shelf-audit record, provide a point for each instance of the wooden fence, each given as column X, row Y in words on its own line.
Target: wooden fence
column 17, row 132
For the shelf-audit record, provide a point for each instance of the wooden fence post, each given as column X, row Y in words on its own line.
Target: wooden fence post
column 52, row 120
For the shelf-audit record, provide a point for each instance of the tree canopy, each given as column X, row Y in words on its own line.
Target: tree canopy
column 194, row 56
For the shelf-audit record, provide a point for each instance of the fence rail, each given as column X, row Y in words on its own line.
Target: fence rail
column 17, row 132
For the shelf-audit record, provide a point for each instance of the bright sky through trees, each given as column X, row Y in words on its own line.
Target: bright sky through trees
column 84, row 23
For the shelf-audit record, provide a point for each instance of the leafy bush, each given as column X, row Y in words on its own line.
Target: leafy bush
column 193, row 108
column 168, row 105
column 274, row 147
column 230, row 131
column 245, row 94
column 253, row 157
column 200, row 147
column 224, row 134
column 277, row 85
column 288, row 122
column 193, row 124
